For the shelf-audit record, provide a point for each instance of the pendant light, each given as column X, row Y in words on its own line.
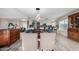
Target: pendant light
column 38, row 14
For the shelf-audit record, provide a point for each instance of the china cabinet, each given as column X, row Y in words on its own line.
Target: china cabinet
column 73, row 27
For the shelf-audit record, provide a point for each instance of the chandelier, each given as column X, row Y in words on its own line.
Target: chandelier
column 38, row 14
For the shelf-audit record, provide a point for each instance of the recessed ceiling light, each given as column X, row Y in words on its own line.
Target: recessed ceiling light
column 23, row 19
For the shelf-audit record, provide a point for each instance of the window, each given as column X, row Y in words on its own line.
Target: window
column 63, row 25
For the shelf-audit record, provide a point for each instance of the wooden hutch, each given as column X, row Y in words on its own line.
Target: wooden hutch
column 73, row 27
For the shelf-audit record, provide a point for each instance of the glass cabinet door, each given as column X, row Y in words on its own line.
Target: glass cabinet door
column 77, row 21
column 70, row 22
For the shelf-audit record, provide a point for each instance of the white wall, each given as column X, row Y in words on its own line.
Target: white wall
column 4, row 23
column 23, row 24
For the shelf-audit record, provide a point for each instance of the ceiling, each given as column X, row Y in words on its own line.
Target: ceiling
column 45, row 13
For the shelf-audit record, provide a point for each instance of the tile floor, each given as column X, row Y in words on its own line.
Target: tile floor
column 14, row 47
column 65, row 44
column 62, row 43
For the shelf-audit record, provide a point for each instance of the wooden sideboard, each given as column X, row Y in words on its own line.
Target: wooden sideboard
column 73, row 27
column 4, row 37
column 8, row 36
column 14, row 35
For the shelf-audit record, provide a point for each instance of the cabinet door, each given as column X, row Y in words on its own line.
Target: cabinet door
column 78, row 36
column 70, row 22
column 4, row 38
column 74, row 35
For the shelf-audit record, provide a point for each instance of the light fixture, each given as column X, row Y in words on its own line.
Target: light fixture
column 38, row 14
column 37, row 8
column 23, row 19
